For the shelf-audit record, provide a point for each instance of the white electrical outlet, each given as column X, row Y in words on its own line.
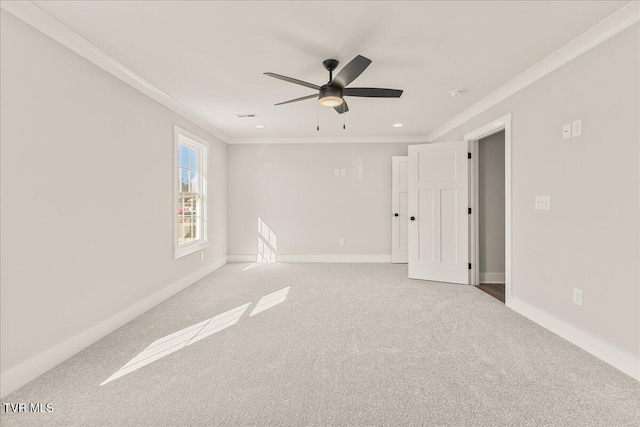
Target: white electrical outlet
column 566, row 131
column 344, row 172
column 342, row 241
column 576, row 128
column 577, row 296
column 543, row 203
column 337, row 172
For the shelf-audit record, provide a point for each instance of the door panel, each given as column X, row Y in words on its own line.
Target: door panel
column 448, row 222
column 404, row 221
column 438, row 199
column 403, row 171
column 426, row 209
column 400, row 206
column 437, row 166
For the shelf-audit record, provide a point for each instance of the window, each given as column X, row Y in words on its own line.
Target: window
column 190, row 226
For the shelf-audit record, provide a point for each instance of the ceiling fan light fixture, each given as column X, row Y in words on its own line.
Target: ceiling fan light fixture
column 330, row 97
column 331, row 101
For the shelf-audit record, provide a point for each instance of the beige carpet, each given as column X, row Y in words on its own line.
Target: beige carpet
column 330, row 344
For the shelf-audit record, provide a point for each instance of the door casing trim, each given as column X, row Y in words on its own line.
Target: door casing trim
column 500, row 124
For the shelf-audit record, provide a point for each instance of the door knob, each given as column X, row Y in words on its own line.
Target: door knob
column 412, row 218
column 395, row 214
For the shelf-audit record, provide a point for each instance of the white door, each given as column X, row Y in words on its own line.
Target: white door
column 438, row 217
column 399, row 209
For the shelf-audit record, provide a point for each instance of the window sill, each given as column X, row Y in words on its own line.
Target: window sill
column 189, row 249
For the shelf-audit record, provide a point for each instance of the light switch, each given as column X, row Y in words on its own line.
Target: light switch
column 543, row 203
column 337, row 172
column 576, row 128
column 566, row 131
column 577, row 296
column 344, row 172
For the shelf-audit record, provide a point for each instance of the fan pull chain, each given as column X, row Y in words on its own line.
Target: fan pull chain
column 344, row 120
column 317, row 116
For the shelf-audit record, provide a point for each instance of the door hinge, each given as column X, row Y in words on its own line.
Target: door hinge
column 468, row 155
column 469, row 266
column 469, row 211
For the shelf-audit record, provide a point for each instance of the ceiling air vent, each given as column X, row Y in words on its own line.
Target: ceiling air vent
column 246, row 116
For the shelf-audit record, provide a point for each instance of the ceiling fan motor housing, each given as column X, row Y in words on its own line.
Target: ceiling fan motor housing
column 327, row 90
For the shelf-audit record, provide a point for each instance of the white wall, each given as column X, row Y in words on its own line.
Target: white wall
column 589, row 238
column 293, row 188
column 491, row 208
column 87, row 213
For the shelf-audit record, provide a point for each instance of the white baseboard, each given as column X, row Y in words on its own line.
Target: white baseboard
column 30, row 369
column 334, row 258
column 619, row 359
column 242, row 258
column 489, row 278
column 317, row 258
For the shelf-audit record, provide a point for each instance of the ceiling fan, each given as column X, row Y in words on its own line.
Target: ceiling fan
column 332, row 93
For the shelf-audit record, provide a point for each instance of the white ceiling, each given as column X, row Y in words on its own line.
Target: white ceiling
column 210, row 56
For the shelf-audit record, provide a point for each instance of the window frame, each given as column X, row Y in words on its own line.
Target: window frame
column 182, row 136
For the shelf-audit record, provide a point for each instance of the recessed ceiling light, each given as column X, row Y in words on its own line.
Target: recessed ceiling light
column 456, row 93
column 259, row 126
column 397, row 125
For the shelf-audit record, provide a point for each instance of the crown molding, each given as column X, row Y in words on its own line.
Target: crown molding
column 332, row 140
column 41, row 20
column 38, row 18
column 609, row 27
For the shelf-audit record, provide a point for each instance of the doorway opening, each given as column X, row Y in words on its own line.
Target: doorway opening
column 490, row 202
column 491, row 220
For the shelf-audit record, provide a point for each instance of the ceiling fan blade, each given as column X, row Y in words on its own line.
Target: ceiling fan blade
column 372, row 92
column 351, row 71
column 292, row 80
column 298, row 99
column 343, row 108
